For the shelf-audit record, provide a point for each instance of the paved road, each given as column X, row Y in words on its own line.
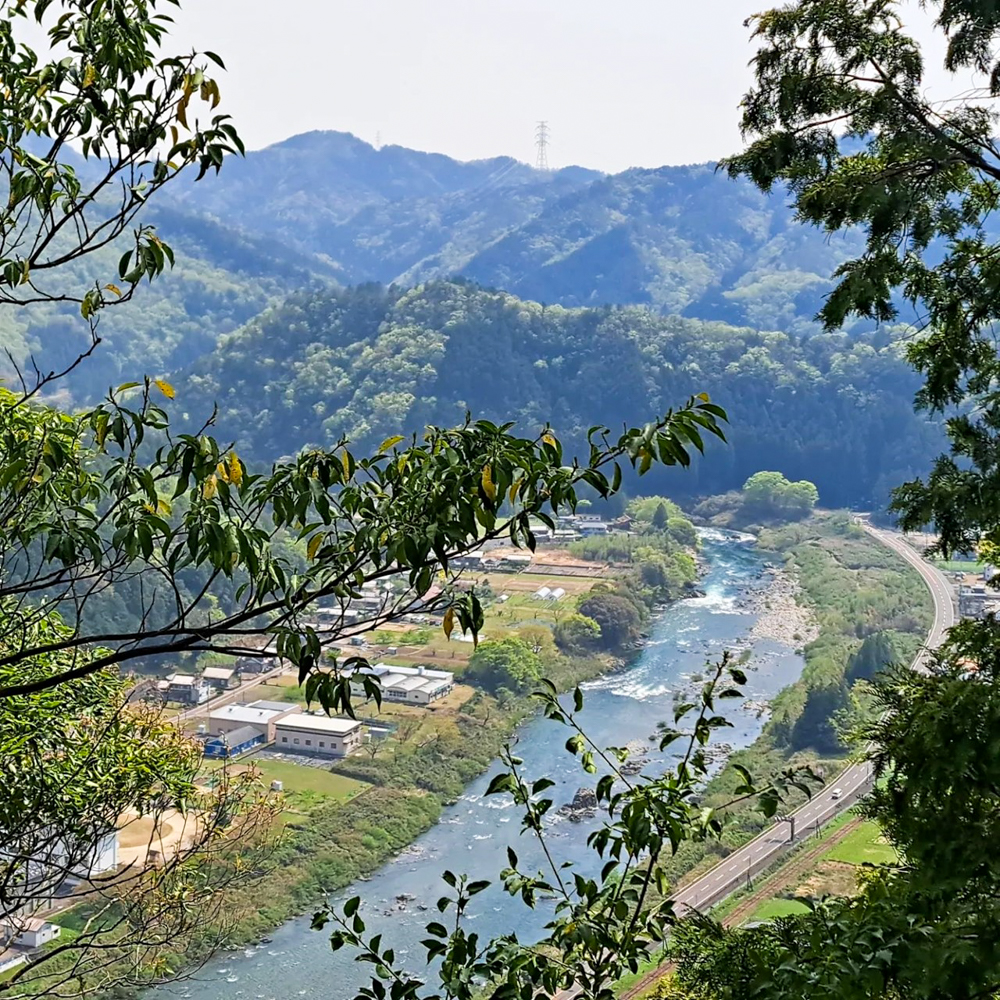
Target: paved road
column 849, row 785
column 737, row 868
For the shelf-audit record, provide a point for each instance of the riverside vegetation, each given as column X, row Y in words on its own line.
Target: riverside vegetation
column 434, row 753
column 841, row 571
column 871, row 609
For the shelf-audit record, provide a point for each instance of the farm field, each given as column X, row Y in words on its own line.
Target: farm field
column 835, row 872
column 866, row 844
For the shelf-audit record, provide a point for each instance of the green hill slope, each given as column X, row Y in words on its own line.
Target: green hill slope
column 368, row 362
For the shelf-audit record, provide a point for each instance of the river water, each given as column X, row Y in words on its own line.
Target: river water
column 474, row 833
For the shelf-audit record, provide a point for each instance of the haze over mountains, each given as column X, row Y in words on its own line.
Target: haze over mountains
column 326, row 210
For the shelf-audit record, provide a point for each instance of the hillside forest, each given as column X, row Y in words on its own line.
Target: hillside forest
column 323, row 287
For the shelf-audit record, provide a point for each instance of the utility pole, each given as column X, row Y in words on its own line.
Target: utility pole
column 790, row 820
column 378, row 140
column 542, row 146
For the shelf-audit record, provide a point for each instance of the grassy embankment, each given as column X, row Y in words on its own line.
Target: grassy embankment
column 343, row 823
column 855, row 587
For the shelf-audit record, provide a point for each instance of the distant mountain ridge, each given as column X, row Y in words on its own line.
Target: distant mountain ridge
column 326, row 208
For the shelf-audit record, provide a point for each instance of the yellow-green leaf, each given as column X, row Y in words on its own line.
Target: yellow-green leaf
column 235, row 469
column 111, row 287
column 345, row 461
column 165, row 387
column 222, row 471
column 210, row 488
column 390, row 442
column 488, row 488
column 89, row 75
column 314, row 543
column 448, row 623
column 514, row 487
column 549, row 439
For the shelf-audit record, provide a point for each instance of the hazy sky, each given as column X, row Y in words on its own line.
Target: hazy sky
column 621, row 82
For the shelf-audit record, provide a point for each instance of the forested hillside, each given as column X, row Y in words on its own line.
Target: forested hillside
column 327, row 208
column 368, row 362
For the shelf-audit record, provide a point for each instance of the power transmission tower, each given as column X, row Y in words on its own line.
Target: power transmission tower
column 378, row 140
column 542, row 146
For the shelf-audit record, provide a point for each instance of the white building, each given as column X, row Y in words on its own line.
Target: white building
column 413, row 685
column 188, row 689
column 29, row 932
column 319, row 735
column 262, row 715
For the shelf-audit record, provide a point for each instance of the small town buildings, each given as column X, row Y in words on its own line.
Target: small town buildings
column 974, row 602
column 254, row 665
column 516, row 561
column 318, row 735
column 412, row 685
column 221, row 677
column 563, row 536
column 259, row 715
column 29, row 932
column 588, row 529
column 234, row 743
column 468, row 560
column 188, row 689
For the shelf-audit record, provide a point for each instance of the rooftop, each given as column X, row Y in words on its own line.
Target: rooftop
column 182, row 680
column 272, row 706
column 218, row 673
column 238, row 736
column 244, row 713
column 319, row 724
column 386, row 668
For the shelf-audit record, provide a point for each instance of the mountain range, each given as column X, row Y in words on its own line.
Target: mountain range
column 257, row 304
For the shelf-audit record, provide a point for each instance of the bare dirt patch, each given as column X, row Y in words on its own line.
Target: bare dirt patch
column 831, row 878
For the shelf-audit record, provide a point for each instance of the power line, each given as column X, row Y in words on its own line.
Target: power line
column 542, row 146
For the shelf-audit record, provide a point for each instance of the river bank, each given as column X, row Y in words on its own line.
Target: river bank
column 473, row 833
column 783, row 614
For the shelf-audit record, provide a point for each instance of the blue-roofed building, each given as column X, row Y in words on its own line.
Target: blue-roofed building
column 233, row 744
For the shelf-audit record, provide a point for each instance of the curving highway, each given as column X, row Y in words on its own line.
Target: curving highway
column 738, row 868
column 849, row 785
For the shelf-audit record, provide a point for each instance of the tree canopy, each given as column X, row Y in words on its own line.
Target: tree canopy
column 840, row 113
column 505, row 663
column 770, row 494
column 833, row 408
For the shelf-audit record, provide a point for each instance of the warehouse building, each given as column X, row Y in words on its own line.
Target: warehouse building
column 413, row 685
column 261, row 715
column 233, row 743
column 319, row 735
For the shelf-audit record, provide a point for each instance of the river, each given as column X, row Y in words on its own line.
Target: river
column 473, row 834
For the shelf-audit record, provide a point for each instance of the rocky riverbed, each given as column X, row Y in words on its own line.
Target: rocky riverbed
column 783, row 616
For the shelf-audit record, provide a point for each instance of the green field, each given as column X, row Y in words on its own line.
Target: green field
column 306, row 787
column 774, row 908
column 865, row 844
column 958, row 565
